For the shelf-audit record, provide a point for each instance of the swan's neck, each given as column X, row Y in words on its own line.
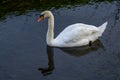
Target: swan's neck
column 50, row 32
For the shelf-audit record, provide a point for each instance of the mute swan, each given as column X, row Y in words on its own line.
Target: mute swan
column 74, row 35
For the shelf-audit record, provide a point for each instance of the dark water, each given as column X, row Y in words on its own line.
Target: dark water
column 24, row 54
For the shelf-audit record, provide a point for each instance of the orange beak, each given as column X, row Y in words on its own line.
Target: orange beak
column 40, row 18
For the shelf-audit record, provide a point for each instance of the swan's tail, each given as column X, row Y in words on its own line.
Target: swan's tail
column 102, row 28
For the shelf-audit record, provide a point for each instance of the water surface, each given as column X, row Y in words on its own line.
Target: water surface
column 24, row 54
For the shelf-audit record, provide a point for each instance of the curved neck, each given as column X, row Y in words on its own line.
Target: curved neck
column 50, row 32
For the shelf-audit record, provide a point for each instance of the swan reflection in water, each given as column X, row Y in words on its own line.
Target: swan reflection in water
column 76, row 51
column 47, row 71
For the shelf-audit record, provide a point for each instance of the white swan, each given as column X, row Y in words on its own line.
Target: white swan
column 74, row 35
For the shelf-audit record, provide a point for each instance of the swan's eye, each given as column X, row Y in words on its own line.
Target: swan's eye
column 42, row 15
column 40, row 18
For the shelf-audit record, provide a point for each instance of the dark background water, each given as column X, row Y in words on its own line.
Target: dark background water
column 24, row 54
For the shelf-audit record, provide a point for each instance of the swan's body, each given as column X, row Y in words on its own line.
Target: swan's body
column 78, row 34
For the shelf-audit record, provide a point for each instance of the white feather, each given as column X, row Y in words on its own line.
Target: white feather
column 78, row 34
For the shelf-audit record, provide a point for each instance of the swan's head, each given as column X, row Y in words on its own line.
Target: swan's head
column 45, row 14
